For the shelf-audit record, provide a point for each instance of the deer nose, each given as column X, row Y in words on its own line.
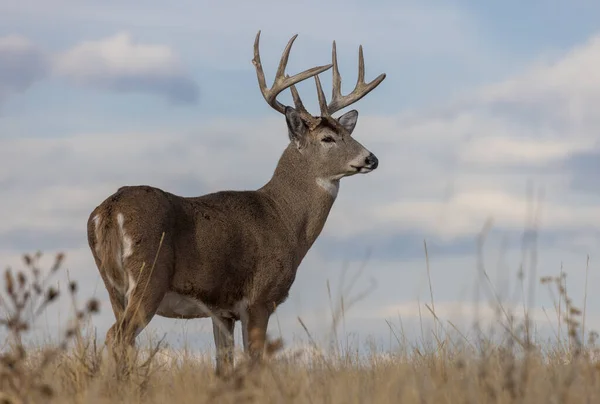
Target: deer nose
column 371, row 161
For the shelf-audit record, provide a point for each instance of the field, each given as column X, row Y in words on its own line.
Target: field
column 508, row 365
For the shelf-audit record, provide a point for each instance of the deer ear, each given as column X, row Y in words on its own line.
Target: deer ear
column 297, row 130
column 348, row 120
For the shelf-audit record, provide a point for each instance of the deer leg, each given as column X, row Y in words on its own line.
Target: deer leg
column 223, row 334
column 117, row 300
column 258, row 320
column 146, row 288
column 244, row 321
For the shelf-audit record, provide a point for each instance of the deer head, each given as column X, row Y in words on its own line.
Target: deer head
column 325, row 142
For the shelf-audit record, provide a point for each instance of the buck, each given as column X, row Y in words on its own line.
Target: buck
column 231, row 255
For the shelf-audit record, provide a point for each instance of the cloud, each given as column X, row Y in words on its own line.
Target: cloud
column 406, row 19
column 118, row 63
column 425, row 37
column 471, row 159
column 565, row 84
column 499, row 150
column 466, row 212
column 115, row 63
column 21, row 65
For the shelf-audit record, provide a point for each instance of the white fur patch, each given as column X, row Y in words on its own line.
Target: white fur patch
column 331, row 186
column 130, row 287
column 117, row 285
column 242, row 308
column 96, row 220
column 127, row 242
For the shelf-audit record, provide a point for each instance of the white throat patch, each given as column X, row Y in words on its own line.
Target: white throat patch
column 331, row 186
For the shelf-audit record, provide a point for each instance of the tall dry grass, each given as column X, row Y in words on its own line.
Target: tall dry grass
column 509, row 367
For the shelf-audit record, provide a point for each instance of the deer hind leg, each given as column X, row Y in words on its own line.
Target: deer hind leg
column 147, row 285
column 223, row 328
column 117, row 299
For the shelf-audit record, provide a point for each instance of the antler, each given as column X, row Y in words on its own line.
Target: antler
column 282, row 81
column 339, row 101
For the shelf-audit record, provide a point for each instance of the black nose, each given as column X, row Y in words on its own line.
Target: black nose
column 372, row 161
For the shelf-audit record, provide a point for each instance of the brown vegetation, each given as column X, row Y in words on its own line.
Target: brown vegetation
column 453, row 369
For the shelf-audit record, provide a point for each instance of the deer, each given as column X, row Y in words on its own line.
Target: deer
column 231, row 255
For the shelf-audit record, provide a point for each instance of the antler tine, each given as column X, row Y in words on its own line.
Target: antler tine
column 298, row 102
column 321, row 95
column 300, row 105
column 259, row 70
column 361, row 66
column 285, row 56
column 282, row 81
column 339, row 101
column 336, row 91
column 308, row 118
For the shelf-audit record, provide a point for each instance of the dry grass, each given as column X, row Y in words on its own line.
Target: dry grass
column 498, row 374
column 512, row 367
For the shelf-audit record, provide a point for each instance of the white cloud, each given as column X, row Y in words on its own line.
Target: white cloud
column 569, row 78
column 226, row 23
column 563, row 93
column 115, row 63
column 21, row 65
column 498, row 150
column 465, row 213
column 116, row 55
column 120, row 64
column 455, row 167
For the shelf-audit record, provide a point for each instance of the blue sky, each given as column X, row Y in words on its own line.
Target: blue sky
column 480, row 100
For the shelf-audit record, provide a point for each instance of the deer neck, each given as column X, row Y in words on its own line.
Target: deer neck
column 303, row 199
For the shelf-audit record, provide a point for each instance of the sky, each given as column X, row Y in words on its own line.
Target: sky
column 487, row 117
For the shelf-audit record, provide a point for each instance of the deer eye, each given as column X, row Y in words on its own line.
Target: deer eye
column 328, row 139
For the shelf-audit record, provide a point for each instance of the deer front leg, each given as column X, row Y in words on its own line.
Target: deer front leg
column 223, row 328
column 256, row 331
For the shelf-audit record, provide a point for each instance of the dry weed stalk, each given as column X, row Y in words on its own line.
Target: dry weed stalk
column 27, row 295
